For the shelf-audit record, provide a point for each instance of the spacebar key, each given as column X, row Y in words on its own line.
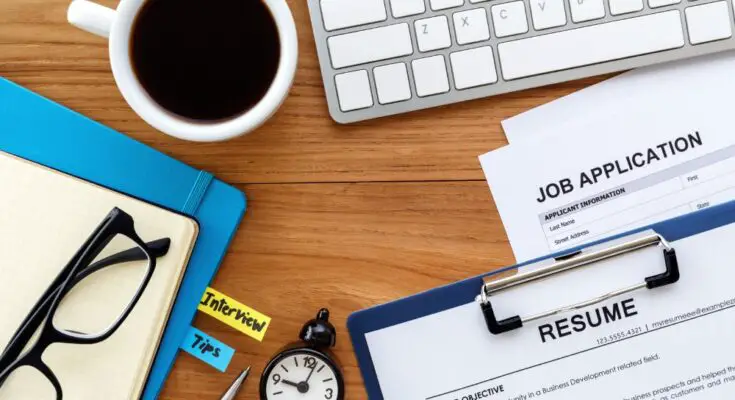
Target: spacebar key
column 591, row 45
column 370, row 45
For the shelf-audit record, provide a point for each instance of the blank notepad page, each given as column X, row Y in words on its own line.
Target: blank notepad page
column 45, row 216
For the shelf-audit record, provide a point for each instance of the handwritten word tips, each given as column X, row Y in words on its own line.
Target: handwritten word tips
column 208, row 349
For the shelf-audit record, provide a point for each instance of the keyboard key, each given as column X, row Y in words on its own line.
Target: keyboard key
column 339, row 14
column 471, row 26
column 444, row 4
column 353, row 90
column 587, row 10
column 477, row 1
column 473, row 68
column 404, row 8
column 548, row 13
column 662, row 3
column 391, row 82
column 430, row 76
column 708, row 22
column 370, row 45
column 509, row 19
column 619, row 7
column 432, row 33
column 578, row 47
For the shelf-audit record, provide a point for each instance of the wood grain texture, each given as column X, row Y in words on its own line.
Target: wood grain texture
column 340, row 216
column 346, row 247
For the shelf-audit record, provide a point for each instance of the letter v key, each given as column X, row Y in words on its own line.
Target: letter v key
column 548, row 14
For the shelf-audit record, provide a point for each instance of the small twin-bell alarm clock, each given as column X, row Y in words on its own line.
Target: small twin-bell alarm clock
column 306, row 370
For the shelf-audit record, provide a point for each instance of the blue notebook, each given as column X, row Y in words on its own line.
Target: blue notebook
column 47, row 133
column 455, row 296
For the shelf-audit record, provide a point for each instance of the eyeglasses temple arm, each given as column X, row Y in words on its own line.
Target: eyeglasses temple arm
column 157, row 248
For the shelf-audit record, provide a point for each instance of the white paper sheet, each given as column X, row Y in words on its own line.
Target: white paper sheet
column 626, row 174
column 670, row 341
column 706, row 80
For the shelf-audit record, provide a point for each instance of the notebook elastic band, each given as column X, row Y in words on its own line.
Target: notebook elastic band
column 194, row 200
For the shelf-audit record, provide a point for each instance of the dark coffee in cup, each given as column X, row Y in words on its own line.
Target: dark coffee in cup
column 205, row 60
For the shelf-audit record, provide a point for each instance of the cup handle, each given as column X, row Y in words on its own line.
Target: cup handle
column 91, row 17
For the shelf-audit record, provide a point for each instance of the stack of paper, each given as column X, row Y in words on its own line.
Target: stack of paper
column 639, row 148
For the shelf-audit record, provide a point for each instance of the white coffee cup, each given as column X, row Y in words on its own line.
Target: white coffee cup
column 117, row 26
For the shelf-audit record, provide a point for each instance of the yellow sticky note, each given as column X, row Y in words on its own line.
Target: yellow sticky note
column 234, row 314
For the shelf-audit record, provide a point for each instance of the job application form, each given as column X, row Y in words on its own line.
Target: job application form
column 566, row 190
column 673, row 342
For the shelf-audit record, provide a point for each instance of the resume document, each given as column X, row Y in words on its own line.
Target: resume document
column 673, row 342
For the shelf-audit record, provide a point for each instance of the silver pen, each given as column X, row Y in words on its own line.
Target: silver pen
column 236, row 385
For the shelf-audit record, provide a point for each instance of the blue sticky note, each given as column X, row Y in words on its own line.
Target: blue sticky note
column 208, row 349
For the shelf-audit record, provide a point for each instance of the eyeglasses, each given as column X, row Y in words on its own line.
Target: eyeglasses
column 71, row 305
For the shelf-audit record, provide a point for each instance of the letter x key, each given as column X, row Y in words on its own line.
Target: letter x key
column 471, row 26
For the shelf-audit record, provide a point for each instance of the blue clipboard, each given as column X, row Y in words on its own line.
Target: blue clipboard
column 460, row 293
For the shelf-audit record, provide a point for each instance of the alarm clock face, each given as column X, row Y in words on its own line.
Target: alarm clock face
column 303, row 374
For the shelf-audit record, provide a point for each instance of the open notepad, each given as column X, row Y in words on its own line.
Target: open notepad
column 45, row 216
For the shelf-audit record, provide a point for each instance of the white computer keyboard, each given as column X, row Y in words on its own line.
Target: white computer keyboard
column 385, row 57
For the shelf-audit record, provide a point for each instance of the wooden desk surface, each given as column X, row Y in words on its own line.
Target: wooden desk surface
column 344, row 217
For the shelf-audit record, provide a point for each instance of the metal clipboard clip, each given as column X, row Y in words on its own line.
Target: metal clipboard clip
column 570, row 262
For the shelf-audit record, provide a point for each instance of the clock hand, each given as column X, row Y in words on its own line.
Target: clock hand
column 310, row 373
column 302, row 387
